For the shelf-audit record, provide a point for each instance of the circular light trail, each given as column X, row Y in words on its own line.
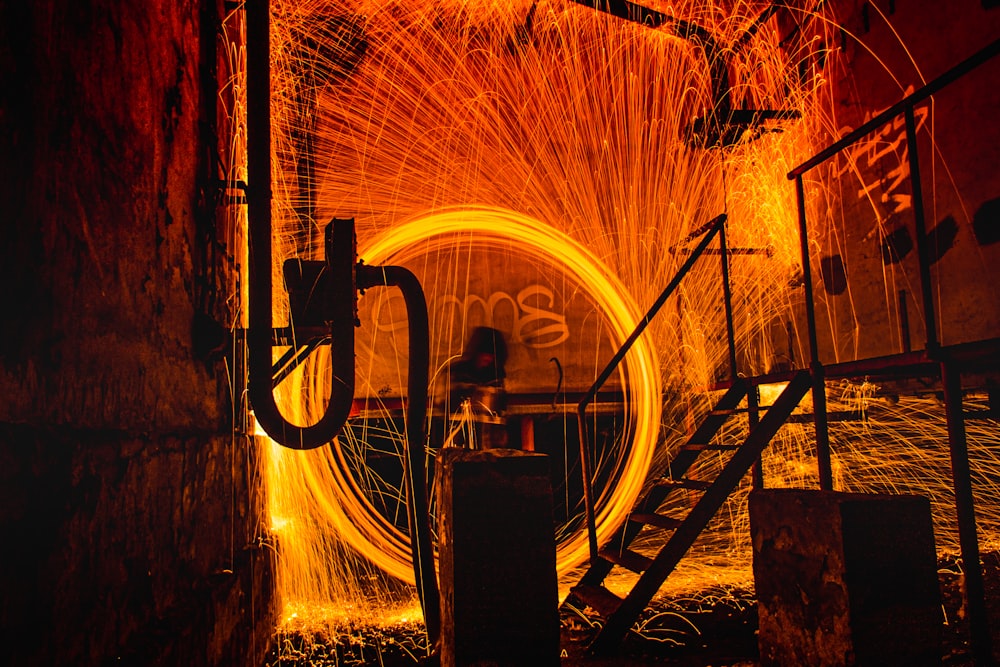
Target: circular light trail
column 371, row 534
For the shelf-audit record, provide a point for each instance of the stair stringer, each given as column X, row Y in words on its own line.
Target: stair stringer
column 621, row 619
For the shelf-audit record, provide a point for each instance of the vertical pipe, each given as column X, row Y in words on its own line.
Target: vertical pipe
column 260, row 321
column 259, row 329
column 258, row 190
column 415, row 459
column 975, row 595
column 823, row 460
column 728, row 299
column 923, row 257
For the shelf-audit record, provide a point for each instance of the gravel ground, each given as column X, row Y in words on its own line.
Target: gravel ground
column 717, row 628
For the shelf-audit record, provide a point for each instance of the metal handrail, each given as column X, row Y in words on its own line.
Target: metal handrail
column 964, row 505
column 905, row 107
column 956, row 72
column 716, row 226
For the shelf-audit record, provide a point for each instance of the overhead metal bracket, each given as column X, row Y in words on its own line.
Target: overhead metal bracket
column 722, row 125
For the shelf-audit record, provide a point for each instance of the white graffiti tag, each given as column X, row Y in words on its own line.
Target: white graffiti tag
column 534, row 325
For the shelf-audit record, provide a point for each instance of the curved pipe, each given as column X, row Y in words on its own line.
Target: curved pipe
column 414, row 460
column 259, row 334
column 261, row 289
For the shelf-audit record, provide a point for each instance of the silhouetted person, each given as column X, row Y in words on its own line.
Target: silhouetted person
column 477, row 377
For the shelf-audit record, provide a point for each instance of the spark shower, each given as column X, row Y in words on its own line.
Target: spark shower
column 544, row 152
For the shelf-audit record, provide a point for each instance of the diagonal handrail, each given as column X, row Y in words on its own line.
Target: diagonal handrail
column 715, row 226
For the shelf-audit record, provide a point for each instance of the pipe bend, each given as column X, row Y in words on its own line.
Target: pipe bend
column 415, row 458
column 268, row 414
column 259, row 387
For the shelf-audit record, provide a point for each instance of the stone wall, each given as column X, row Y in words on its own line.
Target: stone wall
column 130, row 511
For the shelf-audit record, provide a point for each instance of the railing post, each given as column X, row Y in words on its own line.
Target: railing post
column 753, row 418
column 823, row 460
column 728, row 300
column 807, row 282
column 588, row 483
column 975, row 596
column 927, row 294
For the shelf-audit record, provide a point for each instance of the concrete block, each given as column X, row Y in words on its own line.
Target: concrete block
column 845, row 579
column 496, row 541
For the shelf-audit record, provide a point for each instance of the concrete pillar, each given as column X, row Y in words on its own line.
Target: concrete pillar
column 496, row 540
column 845, row 579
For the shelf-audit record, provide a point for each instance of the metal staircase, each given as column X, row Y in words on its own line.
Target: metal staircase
column 944, row 364
column 620, row 613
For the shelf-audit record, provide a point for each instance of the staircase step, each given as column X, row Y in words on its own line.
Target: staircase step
column 598, row 598
column 684, row 483
column 726, row 413
column 627, row 558
column 709, row 446
column 654, row 519
column 654, row 571
column 831, row 416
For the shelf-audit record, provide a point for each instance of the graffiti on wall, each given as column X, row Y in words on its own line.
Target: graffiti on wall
column 532, row 321
column 542, row 314
column 881, row 162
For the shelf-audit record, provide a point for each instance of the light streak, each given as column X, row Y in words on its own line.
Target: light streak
column 495, row 228
column 322, row 478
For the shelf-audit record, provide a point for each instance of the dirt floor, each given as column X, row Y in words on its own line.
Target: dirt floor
column 718, row 629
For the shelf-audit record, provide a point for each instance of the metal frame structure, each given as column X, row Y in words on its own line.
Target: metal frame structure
column 937, row 360
column 944, row 362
